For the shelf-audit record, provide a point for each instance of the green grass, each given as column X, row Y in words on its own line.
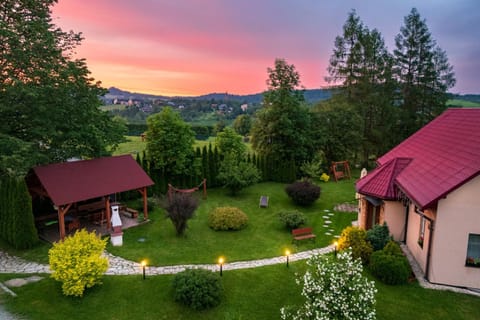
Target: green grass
column 248, row 294
column 462, row 103
column 133, row 145
column 256, row 293
column 265, row 236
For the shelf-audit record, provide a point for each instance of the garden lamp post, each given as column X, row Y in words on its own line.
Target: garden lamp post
column 287, row 253
column 221, row 261
column 335, row 245
column 144, row 264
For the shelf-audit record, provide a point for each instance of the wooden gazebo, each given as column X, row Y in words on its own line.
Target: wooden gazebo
column 69, row 183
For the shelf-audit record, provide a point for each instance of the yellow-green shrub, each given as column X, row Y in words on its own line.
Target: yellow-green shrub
column 227, row 218
column 356, row 238
column 77, row 262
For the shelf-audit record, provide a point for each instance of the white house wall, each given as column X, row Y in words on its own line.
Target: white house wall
column 395, row 218
column 413, row 231
column 457, row 216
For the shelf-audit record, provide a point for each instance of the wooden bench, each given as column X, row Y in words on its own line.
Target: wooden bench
column 129, row 212
column 302, row 234
column 263, row 202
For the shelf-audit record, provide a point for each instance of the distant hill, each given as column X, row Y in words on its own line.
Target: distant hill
column 311, row 96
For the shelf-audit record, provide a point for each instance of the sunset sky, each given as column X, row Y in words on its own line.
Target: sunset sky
column 193, row 47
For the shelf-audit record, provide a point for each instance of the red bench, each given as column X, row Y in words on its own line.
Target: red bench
column 302, row 234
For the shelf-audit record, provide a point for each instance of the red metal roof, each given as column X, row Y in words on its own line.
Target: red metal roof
column 70, row 182
column 380, row 182
column 444, row 155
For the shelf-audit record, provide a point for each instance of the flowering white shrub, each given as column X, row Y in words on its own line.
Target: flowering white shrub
column 335, row 288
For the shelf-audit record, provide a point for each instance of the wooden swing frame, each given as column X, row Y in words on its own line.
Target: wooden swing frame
column 337, row 174
column 172, row 189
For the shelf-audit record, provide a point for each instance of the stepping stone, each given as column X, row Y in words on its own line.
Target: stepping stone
column 325, row 225
column 326, row 210
column 326, row 217
column 328, row 222
column 16, row 282
column 328, row 234
column 141, row 239
column 337, row 236
column 331, row 230
column 331, row 214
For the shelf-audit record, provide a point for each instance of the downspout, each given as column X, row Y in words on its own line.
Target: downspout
column 407, row 211
column 430, row 238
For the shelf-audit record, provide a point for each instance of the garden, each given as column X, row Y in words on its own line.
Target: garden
column 257, row 293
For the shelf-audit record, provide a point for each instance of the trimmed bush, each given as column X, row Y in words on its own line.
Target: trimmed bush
column 392, row 248
column 227, row 218
column 77, row 262
column 179, row 209
column 292, row 219
column 197, row 288
column 356, row 238
column 390, row 266
column 378, row 236
column 303, row 192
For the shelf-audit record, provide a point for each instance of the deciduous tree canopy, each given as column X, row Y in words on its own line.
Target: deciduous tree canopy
column 282, row 127
column 49, row 103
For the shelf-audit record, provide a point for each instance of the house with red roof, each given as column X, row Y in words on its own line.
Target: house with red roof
column 427, row 190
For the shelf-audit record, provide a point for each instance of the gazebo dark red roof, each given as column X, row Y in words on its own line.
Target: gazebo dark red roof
column 437, row 159
column 70, row 182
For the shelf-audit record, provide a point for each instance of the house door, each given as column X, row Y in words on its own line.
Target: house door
column 373, row 215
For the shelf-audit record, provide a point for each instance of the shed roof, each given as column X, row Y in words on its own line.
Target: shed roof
column 71, row 182
column 444, row 155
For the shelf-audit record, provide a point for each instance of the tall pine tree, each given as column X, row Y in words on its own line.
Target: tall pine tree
column 424, row 74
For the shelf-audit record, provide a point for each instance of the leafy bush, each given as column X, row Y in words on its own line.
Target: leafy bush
column 392, row 248
column 378, row 236
column 390, row 265
column 356, row 238
column 197, row 288
column 227, row 218
column 151, row 204
column 334, row 289
column 303, row 192
column 292, row 219
column 324, row 177
column 237, row 174
column 77, row 262
column 180, row 208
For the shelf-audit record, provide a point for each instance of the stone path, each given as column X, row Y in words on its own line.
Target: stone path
column 120, row 266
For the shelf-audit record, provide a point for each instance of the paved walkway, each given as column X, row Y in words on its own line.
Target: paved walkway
column 120, row 266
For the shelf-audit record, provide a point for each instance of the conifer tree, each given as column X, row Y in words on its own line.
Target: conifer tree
column 424, row 74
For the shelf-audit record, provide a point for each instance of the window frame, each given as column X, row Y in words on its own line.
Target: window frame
column 472, row 259
column 421, row 231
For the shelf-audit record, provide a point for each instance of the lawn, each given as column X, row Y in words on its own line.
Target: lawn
column 134, row 145
column 462, row 103
column 256, row 293
column 264, row 237
column 248, row 294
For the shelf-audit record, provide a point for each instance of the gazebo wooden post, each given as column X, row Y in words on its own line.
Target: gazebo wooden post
column 143, row 192
column 62, row 210
column 108, row 213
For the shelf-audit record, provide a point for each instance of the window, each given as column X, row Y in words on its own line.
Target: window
column 421, row 233
column 473, row 250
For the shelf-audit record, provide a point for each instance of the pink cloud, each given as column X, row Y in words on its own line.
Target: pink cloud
column 199, row 46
